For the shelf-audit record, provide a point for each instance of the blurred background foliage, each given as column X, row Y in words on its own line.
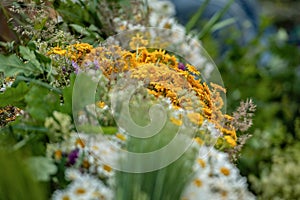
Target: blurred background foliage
column 264, row 67
column 257, row 52
column 16, row 180
column 267, row 69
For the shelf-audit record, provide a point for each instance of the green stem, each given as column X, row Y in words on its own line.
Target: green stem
column 40, row 83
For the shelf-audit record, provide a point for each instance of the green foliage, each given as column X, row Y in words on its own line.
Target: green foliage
column 167, row 183
column 14, row 96
column 8, row 46
column 281, row 181
column 41, row 167
column 12, row 65
column 90, row 35
column 59, row 126
column 30, row 63
column 268, row 73
column 212, row 24
column 16, row 181
column 87, row 15
column 194, row 19
column 67, row 93
column 93, row 20
column 29, row 56
column 164, row 184
column 81, row 17
column 41, row 102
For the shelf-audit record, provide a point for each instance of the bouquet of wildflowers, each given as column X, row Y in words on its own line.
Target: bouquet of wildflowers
column 141, row 115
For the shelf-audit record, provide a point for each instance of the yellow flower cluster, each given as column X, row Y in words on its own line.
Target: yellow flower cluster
column 164, row 78
column 75, row 52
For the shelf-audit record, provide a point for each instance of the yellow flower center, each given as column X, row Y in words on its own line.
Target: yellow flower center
column 198, row 182
column 80, row 191
column 225, row 171
column 201, row 162
column 107, row 168
column 65, row 197
column 57, row 155
column 80, row 143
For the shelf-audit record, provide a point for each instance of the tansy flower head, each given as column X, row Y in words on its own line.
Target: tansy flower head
column 230, row 140
column 164, row 76
column 57, row 51
column 74, row 52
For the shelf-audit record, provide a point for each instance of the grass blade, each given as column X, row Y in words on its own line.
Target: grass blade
column 194, row 19
column 217, row 16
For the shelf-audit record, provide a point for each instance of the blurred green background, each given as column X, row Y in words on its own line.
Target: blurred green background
column 259, row 57
column 267, row 69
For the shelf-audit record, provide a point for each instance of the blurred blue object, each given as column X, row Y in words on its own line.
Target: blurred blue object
column 246, row 15
column 244, row 12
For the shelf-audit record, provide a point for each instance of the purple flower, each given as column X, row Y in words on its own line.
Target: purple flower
column 96, row 64
column 72, row 157
column 75, row 66
column 181, row 66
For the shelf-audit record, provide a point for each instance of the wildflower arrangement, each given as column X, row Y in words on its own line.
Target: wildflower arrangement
column 128, row 118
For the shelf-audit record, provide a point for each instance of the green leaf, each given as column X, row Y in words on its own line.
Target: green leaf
column 217, row 16
column 14, row 96
column 222, row 24
column 31, row 45
column 42, row 58
column 29, row 55
column 195, row 18
column 79, row 29
column 41, row 102
column 93, row 28
column 41, row 167
column 67, row 94
column 38, row 82
column 41, row 24
column 12, row 66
